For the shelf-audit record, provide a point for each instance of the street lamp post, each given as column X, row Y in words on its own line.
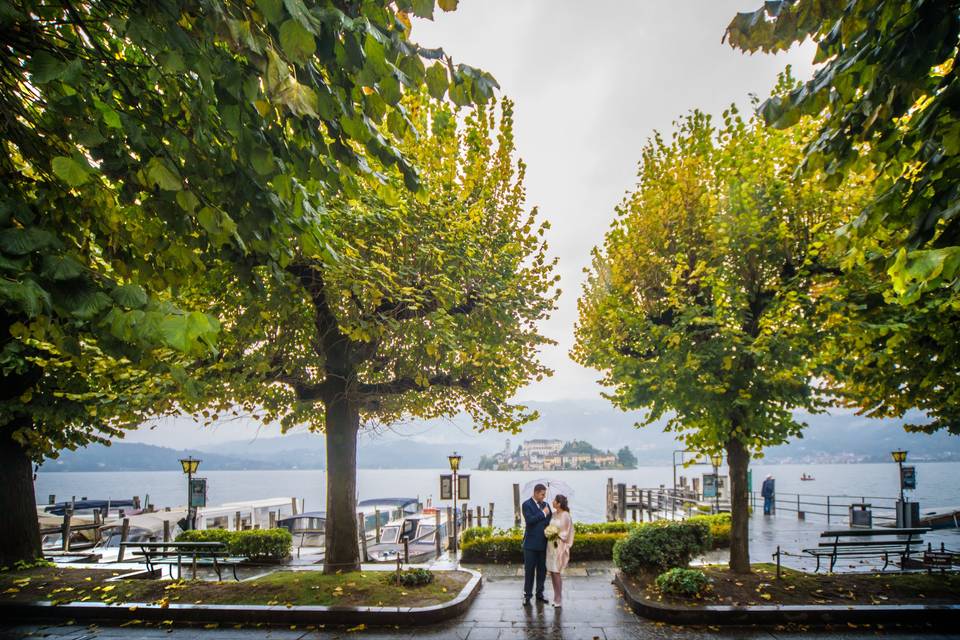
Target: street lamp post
column 717, row 460
column 900, row 456
column 454, row 466
column 190, row 466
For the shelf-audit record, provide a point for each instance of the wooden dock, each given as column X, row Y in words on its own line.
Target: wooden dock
column 638, row 504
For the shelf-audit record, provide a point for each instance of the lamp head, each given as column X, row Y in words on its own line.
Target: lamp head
column 454, row 461
column 190, row 465
column 716, row 459
column 899, row 455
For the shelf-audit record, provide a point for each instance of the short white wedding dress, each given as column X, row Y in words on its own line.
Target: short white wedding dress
column 558, row 555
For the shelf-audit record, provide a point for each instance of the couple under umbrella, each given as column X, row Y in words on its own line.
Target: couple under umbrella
column 547, row 538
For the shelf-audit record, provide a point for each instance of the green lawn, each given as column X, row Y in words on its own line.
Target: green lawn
column 369, row 588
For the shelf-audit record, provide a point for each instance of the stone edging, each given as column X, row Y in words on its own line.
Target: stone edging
column 84, row 612
column 909, row 614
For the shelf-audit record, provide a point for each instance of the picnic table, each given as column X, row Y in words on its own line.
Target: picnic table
column 868, row 543
column 192, row 554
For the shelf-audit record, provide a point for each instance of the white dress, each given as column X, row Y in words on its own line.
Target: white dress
column 558, row 555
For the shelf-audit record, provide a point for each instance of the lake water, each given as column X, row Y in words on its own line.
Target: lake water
column 938, row 484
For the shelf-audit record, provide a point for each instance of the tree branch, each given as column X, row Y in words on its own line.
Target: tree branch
column 406, row 383
column 404, row 310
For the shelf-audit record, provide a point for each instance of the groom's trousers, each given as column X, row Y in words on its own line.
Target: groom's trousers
column 534, row 562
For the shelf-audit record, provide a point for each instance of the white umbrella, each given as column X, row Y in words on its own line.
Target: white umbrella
column 554, row 488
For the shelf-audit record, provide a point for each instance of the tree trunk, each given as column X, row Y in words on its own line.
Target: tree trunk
column 18, row 506
column 342, row 536
column 738, row 459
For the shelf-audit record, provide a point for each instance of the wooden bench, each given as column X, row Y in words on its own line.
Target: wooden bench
column 192, row 554
column 867, row 543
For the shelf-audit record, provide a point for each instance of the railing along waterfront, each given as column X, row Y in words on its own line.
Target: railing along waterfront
column 832, row 508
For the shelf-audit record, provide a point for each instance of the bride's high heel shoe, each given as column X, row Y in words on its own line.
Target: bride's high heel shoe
column 556, row 605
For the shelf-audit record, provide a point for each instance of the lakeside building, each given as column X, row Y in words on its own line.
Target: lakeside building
column 550, row 454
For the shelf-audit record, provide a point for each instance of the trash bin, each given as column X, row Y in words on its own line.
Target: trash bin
column 861, row 515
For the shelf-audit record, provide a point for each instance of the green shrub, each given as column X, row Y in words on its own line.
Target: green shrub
column 255, row 544
column 206, row 535
column 720, row 525
column 660, row 546
column 475, row 533
column 686, row 583
column 262, row 544
column 605, row 527
column 504, row 549
column 410, row 577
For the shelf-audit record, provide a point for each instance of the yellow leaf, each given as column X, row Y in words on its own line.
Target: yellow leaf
column 359, row 627
column 765, row 596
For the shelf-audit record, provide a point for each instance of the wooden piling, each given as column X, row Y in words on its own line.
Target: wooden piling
column 438, row 536
column 516, row 505
column 376, row 526
column 293, row 505
column 490, row 516
column 406, row 551
column 124, row 534
column 236, row 521
column 621, row 502
column 52, row 499
column 272, row 519
column 362, row 526
column 136, row 502
column 166, row 531
column 65, row 529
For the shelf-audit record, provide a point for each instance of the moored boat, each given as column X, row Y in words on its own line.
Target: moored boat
column 941, row 518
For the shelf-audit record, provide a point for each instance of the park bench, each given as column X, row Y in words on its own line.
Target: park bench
column 191, row 554
column 867, row 543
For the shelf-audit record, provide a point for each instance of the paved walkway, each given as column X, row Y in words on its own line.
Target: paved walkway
column 592, row 609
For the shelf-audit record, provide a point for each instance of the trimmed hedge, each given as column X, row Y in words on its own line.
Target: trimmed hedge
column 255, row 544
column 720, row 525
column 507, row 549
column 660, row 546
column 593, row 541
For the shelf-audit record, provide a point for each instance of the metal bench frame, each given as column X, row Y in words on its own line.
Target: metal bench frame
column 897, row 542
column 208, row 554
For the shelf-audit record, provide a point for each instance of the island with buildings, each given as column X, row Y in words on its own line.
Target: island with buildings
column 549, row 454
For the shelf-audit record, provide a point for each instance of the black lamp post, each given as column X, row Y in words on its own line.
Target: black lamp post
column 190, row 466
column 900, row 456
column 454, row 459
column 717, row 460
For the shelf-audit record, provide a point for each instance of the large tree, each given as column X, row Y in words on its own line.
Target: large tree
column 426, row 304
column 698, row 305
column 144, row 141
column 888, row 94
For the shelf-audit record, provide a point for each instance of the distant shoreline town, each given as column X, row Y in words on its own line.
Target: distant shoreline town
column 552, row 455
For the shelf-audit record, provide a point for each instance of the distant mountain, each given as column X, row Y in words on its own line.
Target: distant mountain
column 836, row 437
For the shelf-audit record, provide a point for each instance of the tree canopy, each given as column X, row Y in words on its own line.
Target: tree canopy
column 698, row 305
column 423, row 304
column 887, row 94
column 144, row 142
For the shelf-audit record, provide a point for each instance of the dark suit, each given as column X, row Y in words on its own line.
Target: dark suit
column 534, row 546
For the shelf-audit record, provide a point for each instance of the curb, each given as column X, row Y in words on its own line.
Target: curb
column 909, row 614
column 45, row 611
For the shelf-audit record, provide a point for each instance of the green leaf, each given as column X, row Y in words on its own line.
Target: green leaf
column 84, row 303
column 189, row 332
column 131, row 296
column 437, row 80
column 45, row 68
column 272, row 10
column 423, row 8
column 26, row 295
column 296, row 41
column 19, row 242
column 159, row 174
column 261, row 159
column 448, row 5
column 61, row 268
column 70, row 171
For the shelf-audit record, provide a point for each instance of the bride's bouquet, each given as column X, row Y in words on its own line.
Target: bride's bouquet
column 553, row 533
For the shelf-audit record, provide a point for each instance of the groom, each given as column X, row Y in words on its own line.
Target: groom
column 536, row 515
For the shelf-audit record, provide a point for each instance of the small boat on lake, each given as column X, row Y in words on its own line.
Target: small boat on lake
column 941, row 518
column 807, row 478
column 420, row 532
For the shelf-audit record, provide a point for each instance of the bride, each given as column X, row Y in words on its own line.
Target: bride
column 558, row 546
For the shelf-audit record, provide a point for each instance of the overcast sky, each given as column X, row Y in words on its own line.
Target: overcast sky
column 591, row 82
